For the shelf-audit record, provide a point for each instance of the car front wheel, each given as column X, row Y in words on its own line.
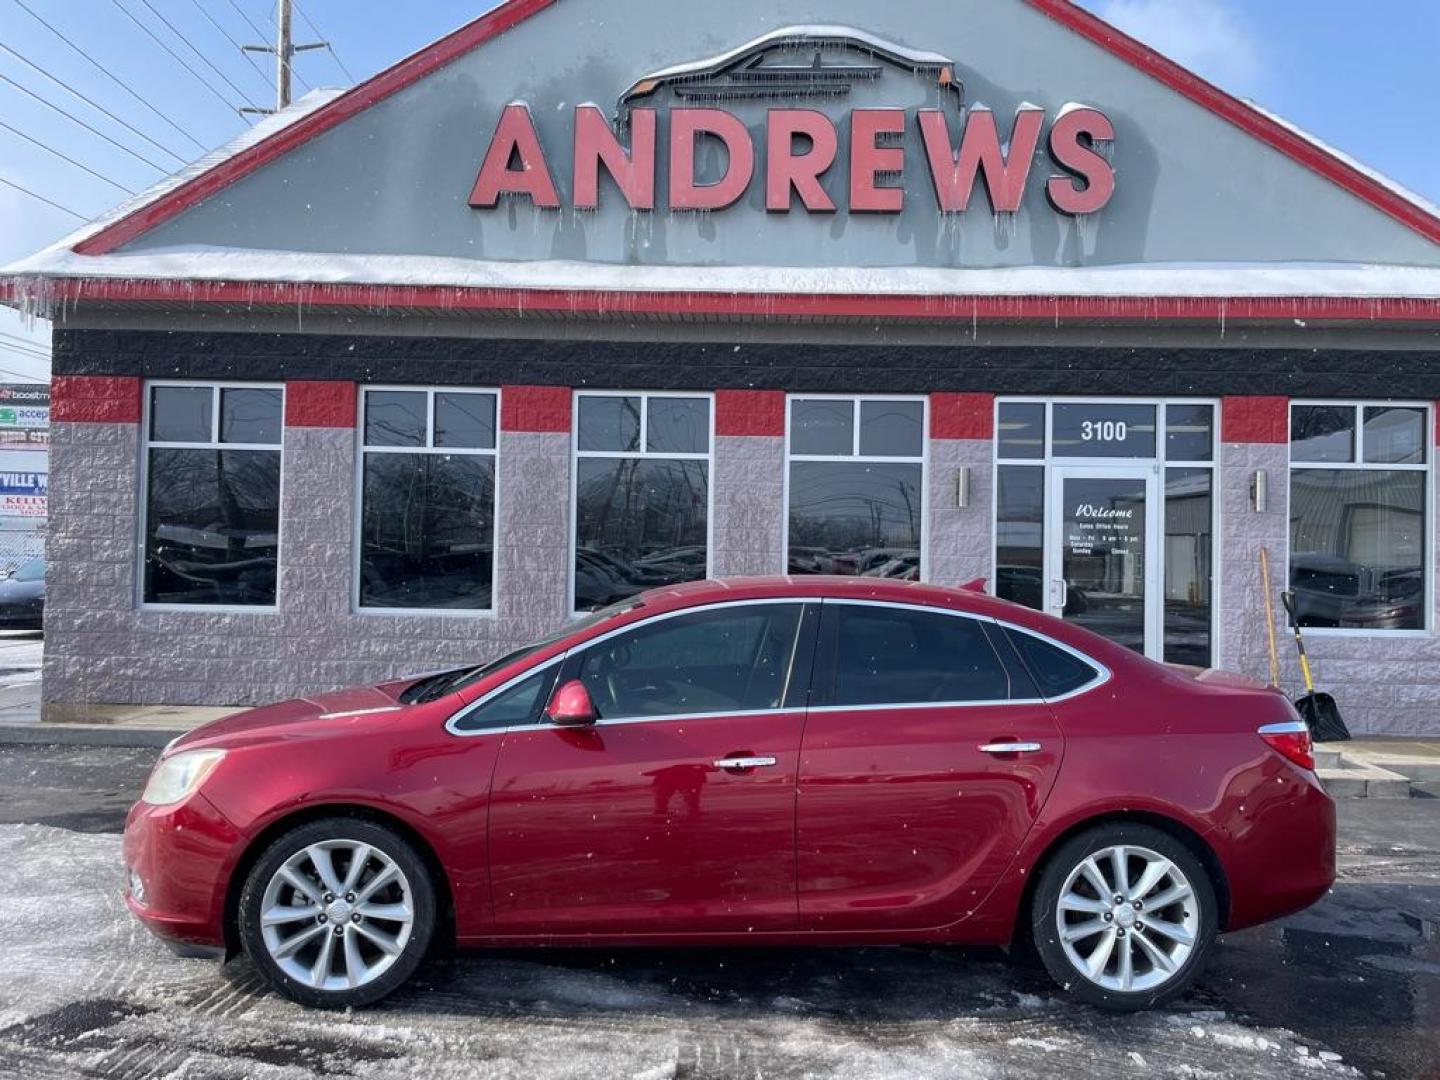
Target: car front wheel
column 338, row 912
column 1124, row 916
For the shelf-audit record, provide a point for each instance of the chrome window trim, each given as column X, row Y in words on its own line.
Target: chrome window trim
column 515, row 680
column 1103, row 674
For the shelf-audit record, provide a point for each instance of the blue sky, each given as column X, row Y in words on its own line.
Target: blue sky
column 1358, row 75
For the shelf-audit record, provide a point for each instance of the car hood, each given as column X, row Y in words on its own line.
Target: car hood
column 298, row 717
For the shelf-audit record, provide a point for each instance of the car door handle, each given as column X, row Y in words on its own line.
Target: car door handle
column 744, row 762
column 1010, row 747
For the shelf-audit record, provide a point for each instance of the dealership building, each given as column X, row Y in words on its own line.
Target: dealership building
column 577, row 302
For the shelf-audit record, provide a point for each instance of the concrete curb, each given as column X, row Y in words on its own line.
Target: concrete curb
column 85, row 735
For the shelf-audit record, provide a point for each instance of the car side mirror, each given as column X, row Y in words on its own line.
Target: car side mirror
column 571, row 706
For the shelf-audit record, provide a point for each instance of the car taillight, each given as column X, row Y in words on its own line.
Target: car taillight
column 1292, row 738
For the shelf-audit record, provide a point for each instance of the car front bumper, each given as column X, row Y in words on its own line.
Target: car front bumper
column 178, row 861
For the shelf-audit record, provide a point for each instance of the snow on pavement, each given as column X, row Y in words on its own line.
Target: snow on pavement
column 88, row 991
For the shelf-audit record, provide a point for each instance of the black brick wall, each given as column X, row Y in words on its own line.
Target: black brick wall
column 816, row 368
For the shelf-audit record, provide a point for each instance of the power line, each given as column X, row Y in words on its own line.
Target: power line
column 191, row 46
column 93, row 104
column 42, row 198
column 110, row 75
column 22, row 342
column 75, row 119
column 65, row 157
column 330, row 48
column 241, row 48
column 177, row 57
column 265, row 35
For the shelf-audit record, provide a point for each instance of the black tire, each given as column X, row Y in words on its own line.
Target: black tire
column 1200, row 913
column 418, row 889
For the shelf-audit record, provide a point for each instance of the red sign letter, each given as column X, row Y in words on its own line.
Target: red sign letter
column 596, row 144
column 785, row 169
column 515, row 137
column 980, row 152
column 867, row 159
column 1072, row 145
column 685, row 125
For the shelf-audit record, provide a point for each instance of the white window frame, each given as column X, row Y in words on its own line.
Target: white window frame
column 923, row 460
column 147, row 443
column 1161, row 463
column 1359, row 464
column 429, row 448
column 576, row 454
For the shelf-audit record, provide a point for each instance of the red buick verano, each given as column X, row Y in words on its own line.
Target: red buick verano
column 768, row 761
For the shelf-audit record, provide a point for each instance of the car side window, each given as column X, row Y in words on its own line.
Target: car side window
column 906, row 656
column 1056, row 672
column 730, row 659
column 520, row 704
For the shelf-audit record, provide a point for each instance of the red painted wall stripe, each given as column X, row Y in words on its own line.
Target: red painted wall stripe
column 943, row 308
column 750, row 412
column 535, row 408
column 390, row 81
column 327, row 404
column 962, row 416
column 1255, row 419
column 1246, row 117
column 95, row 399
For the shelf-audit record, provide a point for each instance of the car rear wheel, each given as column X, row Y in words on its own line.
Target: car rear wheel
column 338, row 912
column 1124, row 916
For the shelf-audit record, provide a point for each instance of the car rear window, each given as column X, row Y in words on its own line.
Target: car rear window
column 1056, row 671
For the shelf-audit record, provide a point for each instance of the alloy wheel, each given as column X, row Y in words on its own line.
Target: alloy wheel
column 337, row 914
column 1127, row 918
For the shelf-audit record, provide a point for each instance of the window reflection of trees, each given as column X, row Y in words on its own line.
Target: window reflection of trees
column 854, row 518
column 640, row 523
column 212, row 532
column 427, row 531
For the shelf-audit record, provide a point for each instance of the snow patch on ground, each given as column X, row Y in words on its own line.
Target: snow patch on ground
column 87, row 990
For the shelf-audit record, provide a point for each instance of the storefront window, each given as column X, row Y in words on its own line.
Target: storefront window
column 1189, row 539
column 1020, row 535
column 1104, row 516
column 856, row 477
column 642, row 494
column 1358, row 482
column 212, row 495
column 427, row 518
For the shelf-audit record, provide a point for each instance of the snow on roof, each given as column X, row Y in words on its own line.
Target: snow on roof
column 1355, row 163
column 252, row 136
column 203, row 263
column 792, row 33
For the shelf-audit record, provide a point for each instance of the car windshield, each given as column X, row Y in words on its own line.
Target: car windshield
column 450, row 681
column 33, row 570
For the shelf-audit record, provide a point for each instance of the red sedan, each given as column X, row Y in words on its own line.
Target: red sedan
column 766, row 761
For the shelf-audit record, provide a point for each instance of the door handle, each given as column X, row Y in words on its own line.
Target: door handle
column 1010, row 747
column 744, row 762
column 1063, row 589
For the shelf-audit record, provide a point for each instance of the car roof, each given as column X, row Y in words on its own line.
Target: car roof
column 822, row 586
column 883, row 590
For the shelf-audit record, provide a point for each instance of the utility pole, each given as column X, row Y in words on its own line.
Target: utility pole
column 283, row 55
column 284, row 51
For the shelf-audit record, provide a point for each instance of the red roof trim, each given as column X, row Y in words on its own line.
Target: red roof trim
column 1048, row 309
column 390, row 81
column 1246, row 117
column 512, row 12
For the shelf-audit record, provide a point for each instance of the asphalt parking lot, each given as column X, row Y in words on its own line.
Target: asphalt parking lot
column 1350, row 988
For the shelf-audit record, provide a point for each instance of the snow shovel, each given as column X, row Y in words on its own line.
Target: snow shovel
column 1319, row 711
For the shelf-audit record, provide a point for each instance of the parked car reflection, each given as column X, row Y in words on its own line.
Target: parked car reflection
column 22, row 596
column 1333, row 591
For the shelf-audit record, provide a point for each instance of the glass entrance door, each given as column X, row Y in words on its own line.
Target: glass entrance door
column 1101, row 565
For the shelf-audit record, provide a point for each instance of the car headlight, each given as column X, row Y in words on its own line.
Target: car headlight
column 176, row 777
